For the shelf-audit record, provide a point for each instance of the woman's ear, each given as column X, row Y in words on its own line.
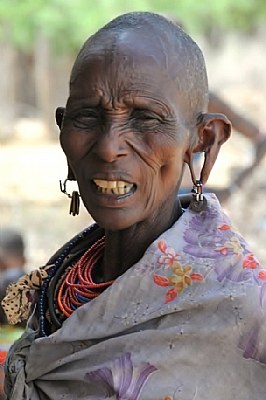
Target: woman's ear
column 59, row 115
column 213, row 131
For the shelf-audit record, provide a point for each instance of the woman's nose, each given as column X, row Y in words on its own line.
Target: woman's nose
column 111, row 145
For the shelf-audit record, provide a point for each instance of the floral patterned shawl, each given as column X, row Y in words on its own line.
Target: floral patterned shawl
column 187, row 322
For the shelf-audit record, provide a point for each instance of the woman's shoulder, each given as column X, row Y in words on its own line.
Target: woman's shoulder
column 22, row 295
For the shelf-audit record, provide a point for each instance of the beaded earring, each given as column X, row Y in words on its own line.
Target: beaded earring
column 198, row 202
column 75, row 201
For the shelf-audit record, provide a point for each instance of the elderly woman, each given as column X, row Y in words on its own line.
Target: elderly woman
column 153, row 301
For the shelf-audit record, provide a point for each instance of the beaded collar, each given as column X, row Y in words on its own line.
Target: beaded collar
column 79, row 286
column 46, row 299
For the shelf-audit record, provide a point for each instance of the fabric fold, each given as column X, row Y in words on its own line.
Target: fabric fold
column 187, row 320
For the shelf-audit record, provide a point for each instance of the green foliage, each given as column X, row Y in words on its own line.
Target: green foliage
column 67, row 23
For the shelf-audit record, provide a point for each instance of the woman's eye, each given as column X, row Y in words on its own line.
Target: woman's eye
column 146, row 118
column 86, row 119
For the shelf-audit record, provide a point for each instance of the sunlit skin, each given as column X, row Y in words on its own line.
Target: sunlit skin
column 125, row 124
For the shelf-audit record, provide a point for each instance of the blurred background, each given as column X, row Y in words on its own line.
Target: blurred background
column 39, row 40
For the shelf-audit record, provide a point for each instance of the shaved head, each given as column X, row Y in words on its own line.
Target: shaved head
column 162, row 42
column 136, row 113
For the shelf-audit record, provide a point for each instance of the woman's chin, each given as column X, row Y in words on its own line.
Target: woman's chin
column 115, row 220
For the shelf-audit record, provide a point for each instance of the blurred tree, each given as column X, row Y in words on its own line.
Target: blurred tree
column 66, row 23
column 36, row 34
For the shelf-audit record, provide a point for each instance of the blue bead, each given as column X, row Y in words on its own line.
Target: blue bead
column 57, row 263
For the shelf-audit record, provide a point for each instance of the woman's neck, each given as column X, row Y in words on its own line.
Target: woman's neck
column 126, row 247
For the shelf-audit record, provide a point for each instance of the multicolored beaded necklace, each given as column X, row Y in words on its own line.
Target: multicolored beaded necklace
column 78, row 287
column 46, row 300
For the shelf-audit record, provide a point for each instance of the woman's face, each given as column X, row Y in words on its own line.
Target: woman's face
column 123, row 137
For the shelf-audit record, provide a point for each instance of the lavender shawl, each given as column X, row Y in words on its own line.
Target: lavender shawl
column 187, row 322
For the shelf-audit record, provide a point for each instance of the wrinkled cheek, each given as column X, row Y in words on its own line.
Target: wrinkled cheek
column 171, row 172
column 152, row 190
column 74, row 145
column 83, row 181
column 150, row 196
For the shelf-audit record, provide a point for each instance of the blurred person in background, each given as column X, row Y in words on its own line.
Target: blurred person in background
column 240, row 123
column 12, row 263
column 245, row 127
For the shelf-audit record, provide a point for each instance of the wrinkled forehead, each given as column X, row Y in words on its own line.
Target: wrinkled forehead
column 159, row 64
column 128, row 50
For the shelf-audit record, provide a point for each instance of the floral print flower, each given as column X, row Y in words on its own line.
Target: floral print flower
column 210, row 236
column 233, row 245
column 122, row 379
column 262, row 274
column 161, row 280
column 223, row 227
column 169, row 256
column 181, row 278
column 250, row 261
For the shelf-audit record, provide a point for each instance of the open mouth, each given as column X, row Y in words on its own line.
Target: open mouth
column 118, row 188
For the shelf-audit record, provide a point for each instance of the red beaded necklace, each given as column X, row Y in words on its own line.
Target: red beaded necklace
column 77, row 287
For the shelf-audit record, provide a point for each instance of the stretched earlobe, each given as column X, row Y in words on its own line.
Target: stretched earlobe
column 59, row 115
column 213, row 131
column 188, row 159
column 70, row 173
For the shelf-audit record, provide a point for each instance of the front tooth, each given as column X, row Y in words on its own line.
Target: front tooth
column 121, row 184
column 100, row 182
column 115, row 190
column 111, row 184
column 116, row 187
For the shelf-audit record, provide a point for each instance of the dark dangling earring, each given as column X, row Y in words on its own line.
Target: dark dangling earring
column 198, row 202
column 75, row 201
column 74, row 204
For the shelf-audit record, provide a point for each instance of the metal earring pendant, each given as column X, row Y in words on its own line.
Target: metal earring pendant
column 75, row 201
column 198, row 202
column 74, row 204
